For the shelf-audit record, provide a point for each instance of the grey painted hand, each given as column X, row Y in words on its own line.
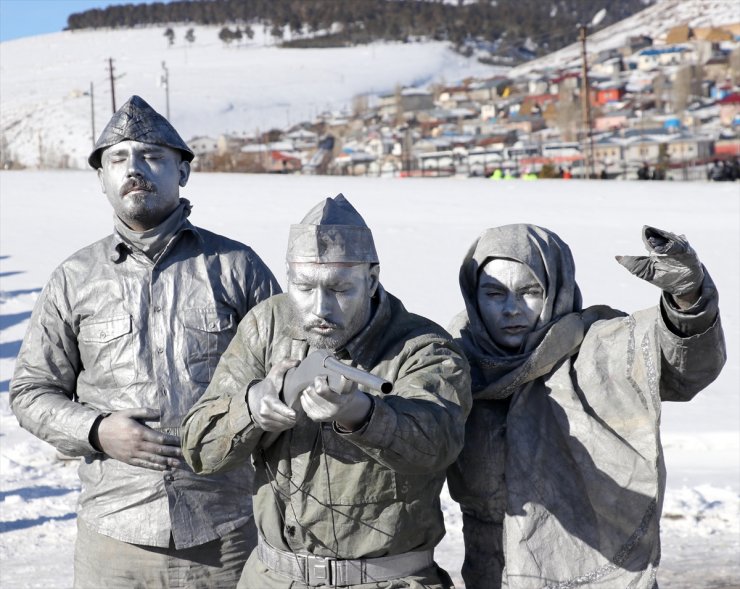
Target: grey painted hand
column 269, row 413
column 672, row 265
column 121, row 436
column 348, row 407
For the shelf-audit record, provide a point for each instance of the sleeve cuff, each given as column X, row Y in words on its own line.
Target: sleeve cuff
column 696, row 319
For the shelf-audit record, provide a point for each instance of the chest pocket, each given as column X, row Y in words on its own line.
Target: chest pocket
column 207, row 334
column 106, row 350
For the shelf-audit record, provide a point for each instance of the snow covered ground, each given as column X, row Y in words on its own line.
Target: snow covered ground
column 422, row 229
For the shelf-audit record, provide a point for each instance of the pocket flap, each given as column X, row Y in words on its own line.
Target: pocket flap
column 104, row 331
column 207, row 320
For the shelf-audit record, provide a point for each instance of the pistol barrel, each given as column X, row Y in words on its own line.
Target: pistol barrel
column 359, row 376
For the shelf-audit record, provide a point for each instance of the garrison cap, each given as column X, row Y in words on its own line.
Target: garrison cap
column 137, row 121
column 332, row 231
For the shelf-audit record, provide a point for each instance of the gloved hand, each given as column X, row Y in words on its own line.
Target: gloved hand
column 269, row 413
column 672, row 265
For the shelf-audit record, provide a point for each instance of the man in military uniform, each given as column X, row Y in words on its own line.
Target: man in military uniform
column 347, row 481
column 123, row 340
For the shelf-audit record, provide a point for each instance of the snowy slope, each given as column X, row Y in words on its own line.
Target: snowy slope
column 422, row 229
column 655, row 21
column 214, row 89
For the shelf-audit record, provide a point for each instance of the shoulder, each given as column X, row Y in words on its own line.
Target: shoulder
column 80, row 263
column 411, row 325
column 220, row 244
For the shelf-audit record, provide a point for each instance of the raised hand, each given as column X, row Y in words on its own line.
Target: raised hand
column 672, row 265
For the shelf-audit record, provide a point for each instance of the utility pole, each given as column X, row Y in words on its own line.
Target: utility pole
column 92, row 112
column 112, row 84
column 166, row 84
column 586, row 106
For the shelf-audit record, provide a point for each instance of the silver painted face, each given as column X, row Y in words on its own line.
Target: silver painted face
column 142, row 182
column 510, row 300
column 331, row 302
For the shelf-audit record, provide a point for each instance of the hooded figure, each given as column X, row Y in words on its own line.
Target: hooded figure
column 561, row 478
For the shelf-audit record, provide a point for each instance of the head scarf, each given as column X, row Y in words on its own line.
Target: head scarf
column 559, row 329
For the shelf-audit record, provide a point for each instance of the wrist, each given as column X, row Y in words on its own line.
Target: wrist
column 357, row 415
column 93, row 437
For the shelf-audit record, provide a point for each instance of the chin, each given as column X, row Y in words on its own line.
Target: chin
column 329, row 342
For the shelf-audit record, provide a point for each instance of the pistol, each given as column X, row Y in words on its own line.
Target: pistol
column 324, row 363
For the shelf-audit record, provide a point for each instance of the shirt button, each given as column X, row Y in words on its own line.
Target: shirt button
column 157, row 309
column 102, row 334
column 169, row 478
column 160, row 350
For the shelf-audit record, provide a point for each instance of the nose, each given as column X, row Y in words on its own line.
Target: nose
column 134, row 166
column 321, row 307
column 512, row 304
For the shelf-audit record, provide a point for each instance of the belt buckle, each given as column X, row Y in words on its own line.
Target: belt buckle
column 318, row 570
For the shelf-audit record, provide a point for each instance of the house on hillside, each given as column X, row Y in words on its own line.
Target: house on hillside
column 729, row 109
column 650, row 59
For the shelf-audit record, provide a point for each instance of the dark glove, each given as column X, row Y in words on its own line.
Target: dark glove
column 672, row 264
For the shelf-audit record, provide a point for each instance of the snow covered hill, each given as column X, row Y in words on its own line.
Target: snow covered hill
column 655, row 22
column 214, row 88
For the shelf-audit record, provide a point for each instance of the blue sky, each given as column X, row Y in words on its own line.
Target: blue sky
column 25, row 18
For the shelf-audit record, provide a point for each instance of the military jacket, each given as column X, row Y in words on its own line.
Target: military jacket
column 370, row 493
column 113, row 330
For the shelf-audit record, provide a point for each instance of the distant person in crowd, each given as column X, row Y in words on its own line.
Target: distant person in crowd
column 567, row 174
column 347, row 481
column 603, row 175
column 497, row 174
column 123, row 340
column 644, row 172
column 561, row 479
column 722, row 171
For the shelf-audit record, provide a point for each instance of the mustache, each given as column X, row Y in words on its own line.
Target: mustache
column 136, row 184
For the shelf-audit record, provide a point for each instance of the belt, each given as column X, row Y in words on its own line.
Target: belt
column 318, row 571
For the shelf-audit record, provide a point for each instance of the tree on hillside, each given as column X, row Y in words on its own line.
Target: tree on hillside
column 170, row 34
column 249, row 32
column 190, row 36
column 277, row 32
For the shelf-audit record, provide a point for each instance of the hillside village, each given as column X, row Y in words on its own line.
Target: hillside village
column 663, row 108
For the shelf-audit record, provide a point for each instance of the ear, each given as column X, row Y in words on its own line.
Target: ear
column 184, row 168
column 374, row 277
column 100, row 179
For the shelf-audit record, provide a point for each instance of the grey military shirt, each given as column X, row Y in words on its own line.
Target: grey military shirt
column 114, row 330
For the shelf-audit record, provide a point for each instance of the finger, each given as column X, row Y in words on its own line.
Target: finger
column 149, row 462
column 151, row 435
column 140, row 413
column 640, row 266
column 162, row 450
column 272, row 406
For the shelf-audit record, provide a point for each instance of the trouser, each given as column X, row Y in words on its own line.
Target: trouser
column 102, row 562
column 484, row 553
